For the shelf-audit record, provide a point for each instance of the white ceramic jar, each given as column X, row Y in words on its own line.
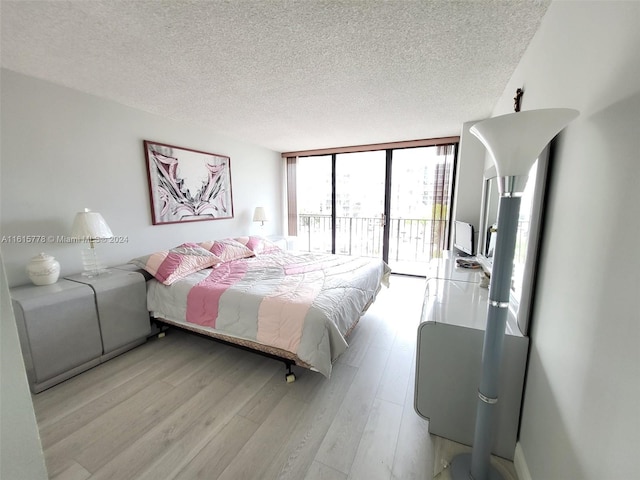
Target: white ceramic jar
column 43, row 269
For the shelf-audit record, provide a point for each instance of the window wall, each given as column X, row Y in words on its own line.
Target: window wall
column 391, row 203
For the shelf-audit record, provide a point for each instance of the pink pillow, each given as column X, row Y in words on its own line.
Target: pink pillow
column 227, row 249
column 171, row 265
column 258, row 244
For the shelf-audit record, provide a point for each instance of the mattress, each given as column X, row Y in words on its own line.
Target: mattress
column 296, row 305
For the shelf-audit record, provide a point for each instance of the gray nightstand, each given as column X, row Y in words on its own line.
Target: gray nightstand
column 79, row 322
column 58, row 329
column 121, row 301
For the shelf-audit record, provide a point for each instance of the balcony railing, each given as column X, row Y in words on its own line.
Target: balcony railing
column 410, row 239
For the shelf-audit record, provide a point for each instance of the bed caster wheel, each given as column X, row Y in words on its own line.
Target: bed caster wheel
column 161, row 335
column 290, row 377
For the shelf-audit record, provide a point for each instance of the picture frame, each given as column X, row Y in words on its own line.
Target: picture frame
column 187, row 185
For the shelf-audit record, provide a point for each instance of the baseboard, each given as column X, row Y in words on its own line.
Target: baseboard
column 520, row 464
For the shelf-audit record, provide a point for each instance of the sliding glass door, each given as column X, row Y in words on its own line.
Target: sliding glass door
column 420, row 196
column 391, row 203
column 360, row 194
column 314, row 187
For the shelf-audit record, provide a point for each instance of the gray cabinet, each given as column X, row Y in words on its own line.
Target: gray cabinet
column 58, row 329
column 121, row 302
column 78, row 322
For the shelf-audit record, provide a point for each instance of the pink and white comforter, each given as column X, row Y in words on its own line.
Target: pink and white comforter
column 303, row 303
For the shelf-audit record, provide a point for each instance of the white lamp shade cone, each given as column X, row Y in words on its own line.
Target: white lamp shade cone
column 90, row 225
column 259, row 215
column 515, row 140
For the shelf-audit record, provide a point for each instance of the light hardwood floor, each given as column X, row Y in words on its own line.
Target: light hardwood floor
column 187, row 407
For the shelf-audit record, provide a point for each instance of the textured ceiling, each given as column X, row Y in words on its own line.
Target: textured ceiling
column 286, row 75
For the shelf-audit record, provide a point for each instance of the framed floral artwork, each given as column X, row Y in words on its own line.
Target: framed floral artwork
column 187, row 185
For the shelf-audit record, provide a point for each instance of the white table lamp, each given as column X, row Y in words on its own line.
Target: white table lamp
column 259, row 215
column 90, row 226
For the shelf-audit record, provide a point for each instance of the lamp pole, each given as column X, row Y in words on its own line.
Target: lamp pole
column 478, row 464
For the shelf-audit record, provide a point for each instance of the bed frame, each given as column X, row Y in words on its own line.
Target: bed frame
column 289, row 359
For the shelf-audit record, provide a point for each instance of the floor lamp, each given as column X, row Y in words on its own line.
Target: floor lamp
column 514, row 142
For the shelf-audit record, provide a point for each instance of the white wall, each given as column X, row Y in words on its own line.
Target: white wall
column 581, row 417
column 63, row 150
column 468, row 188
column 21, row 456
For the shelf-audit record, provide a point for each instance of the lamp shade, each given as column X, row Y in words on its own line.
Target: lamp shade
column 259, row 215
column 90, row 225
column 515, row 140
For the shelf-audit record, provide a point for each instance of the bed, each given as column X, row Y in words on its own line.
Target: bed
column 296, row 306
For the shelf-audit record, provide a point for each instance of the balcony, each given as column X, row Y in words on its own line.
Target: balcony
column 412, row 242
